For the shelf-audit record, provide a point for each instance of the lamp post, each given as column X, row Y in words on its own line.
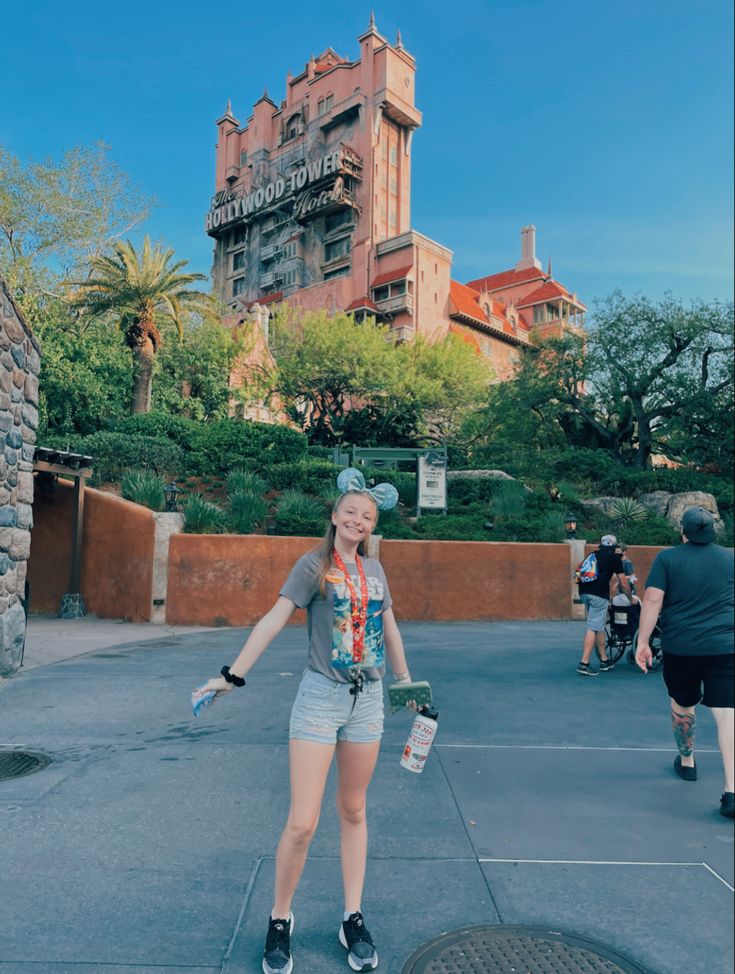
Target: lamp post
column 171, row 493
column 570, row 526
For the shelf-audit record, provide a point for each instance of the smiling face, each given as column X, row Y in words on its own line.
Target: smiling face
column 354, row 519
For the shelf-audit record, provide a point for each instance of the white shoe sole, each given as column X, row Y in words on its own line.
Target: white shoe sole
column 368, row 966
column 289, row 967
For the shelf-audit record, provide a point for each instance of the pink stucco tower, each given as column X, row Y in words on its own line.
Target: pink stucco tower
column 312, row 206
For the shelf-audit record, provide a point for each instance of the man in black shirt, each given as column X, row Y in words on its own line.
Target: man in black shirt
column 596, row 596
column 692, row 587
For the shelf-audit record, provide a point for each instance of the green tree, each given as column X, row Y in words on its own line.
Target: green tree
column 86, row 374
column 55, row 216
column 191, row 377
column 344, row 381
column 655, row 363
column 141, row 292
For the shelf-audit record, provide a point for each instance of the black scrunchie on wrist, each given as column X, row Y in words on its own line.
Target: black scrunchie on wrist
column 236, row 681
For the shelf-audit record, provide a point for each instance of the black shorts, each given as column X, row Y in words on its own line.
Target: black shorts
column 685, row 676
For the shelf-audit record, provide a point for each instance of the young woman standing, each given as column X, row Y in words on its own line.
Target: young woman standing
column 338, row 707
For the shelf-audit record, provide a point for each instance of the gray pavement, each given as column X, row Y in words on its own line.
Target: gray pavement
column 147, row 845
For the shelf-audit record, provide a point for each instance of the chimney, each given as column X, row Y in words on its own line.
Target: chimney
column 528, row 249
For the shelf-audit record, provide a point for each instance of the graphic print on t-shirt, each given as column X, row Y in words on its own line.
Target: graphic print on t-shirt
column 374, row 653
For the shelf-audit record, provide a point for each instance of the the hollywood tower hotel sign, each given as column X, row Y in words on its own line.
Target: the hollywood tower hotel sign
column 309, row 189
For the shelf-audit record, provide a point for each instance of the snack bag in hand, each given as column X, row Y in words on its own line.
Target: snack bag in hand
column 200, row 700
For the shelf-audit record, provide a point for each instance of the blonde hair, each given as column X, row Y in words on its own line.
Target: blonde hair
column 326, row 547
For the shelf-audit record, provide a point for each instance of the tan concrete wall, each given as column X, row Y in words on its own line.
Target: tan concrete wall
column 440, row 581
column 228, row 580
column 117, row 554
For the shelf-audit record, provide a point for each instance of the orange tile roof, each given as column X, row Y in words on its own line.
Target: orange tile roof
column 464, row 299
column 361, row 303
column 494, row 282
column 270, row 298
column 466, row 305
column 547, row 292
column 390, row 276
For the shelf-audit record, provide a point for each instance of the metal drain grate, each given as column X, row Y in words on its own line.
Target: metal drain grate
column 516, row 950
column 17, row 764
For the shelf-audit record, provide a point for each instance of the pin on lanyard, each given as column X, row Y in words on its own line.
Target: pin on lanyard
column 358, row 605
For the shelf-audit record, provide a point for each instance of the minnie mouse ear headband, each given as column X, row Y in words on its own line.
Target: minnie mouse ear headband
column 384, row 495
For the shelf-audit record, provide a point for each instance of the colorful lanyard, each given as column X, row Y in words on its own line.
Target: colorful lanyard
column 358, row 607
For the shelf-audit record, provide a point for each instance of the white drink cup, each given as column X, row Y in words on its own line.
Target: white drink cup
column 419, row 741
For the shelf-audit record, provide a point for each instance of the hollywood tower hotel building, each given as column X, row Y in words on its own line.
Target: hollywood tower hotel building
column 313, row 207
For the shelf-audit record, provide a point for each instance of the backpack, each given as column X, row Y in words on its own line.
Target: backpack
column 587, row 571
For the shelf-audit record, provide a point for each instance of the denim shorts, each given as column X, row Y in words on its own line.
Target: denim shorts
column 596, row 612
column 325, row 711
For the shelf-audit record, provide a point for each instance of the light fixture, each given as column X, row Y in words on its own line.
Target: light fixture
column 570, row 526
column 171, row 493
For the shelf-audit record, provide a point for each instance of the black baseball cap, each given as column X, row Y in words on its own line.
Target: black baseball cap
column 698, row 525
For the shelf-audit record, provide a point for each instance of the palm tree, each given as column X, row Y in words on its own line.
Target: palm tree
column 141, row 291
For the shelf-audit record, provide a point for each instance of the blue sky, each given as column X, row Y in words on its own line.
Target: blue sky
column 608, row 125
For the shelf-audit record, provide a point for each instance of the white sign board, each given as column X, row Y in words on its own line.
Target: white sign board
column 432, row 484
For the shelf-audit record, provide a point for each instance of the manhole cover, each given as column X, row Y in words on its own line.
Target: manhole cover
column 16, row 764
column 516, row 950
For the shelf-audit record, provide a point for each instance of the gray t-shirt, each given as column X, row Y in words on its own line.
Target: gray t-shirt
column 698, row 610
column 329, row 619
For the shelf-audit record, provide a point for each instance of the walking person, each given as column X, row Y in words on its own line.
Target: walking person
column 691, row 588
column 594, row 589
column 338, row 707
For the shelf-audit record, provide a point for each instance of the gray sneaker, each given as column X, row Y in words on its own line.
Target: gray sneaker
column 584, row 669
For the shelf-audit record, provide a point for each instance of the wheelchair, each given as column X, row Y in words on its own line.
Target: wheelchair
column 621, row 632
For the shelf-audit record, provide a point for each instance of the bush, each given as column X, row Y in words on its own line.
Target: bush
column 143, row 487
column 239, row 481
column 160, row 425
column 202, row 516
column 299, row 514
column 229, row 443
column 115, row 453
column 440, row 527
column 247, row 511
column 310, row 476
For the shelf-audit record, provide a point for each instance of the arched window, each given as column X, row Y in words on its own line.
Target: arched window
column 293, row 127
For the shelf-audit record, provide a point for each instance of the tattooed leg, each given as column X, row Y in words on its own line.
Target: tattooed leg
column 682, row 722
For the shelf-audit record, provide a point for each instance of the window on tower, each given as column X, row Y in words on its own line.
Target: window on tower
column 238, row 286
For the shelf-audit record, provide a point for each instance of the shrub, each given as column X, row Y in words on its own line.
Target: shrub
column 299, row 514
column 143, row 487
column 624, row 511
column 202, row 516
column 247, row 511
column 229, row 443
column 114, row 453
column 239, row 480
column 310, row 476
column 441, row 527
column 160, row 425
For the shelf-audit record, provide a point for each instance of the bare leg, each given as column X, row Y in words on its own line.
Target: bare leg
column 682, row 723
column 309, row 763
column 356, row 763
column 602, row 652
column 588, row 645
column 725, row 720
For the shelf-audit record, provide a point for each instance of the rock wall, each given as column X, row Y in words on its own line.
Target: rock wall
column 20, row 364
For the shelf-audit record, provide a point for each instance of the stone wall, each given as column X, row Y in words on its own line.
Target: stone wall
column 20, row 364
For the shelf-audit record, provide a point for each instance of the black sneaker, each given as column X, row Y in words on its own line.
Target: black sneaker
column 727, row 804
column 277, row 954
column 584, row 669
column 355, row 938
column 606, row 665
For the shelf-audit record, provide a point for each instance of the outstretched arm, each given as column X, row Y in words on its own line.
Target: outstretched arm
column 258, row 641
